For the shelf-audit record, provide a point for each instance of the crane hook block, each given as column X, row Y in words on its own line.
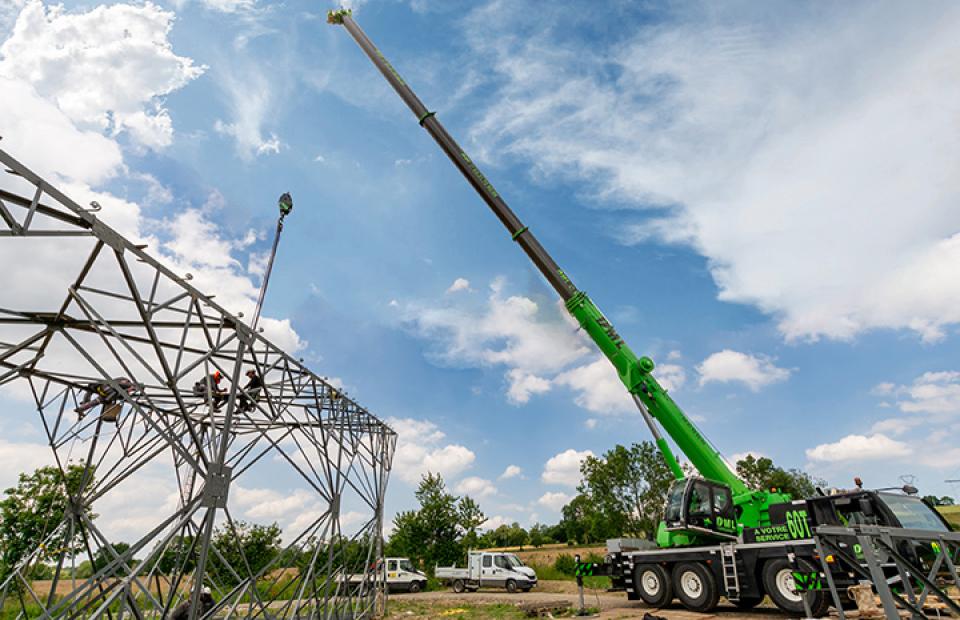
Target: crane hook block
column 286, row 204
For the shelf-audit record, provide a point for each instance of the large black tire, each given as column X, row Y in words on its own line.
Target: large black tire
column 511, row 586
column 695, row 586
column 415, row 587
column 747, row 603
column 652, row 583
column 779, row 584
column 458, row 586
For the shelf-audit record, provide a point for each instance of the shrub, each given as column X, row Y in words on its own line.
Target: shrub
column 565, row 564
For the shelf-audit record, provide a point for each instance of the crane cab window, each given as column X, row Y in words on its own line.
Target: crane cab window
column 487, row 561
column 700, row 502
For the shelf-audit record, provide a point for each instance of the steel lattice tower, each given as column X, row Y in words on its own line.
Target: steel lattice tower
column 124, row 316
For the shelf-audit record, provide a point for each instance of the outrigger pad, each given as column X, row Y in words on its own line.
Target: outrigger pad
column 335, row 16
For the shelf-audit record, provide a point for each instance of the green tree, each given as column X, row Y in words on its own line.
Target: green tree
column 243, row 545
column 436, row 533
column 540, row 535
column 761, row 473
column 628, row 488
column 946, row 500
column 31, row 511
column 178, row 556
column 471, row 518
column 103, row 557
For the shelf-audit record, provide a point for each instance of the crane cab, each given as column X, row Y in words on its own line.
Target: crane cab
column 701, row 508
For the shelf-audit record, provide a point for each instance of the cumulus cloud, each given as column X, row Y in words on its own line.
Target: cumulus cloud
column 733, row 366
column 508, row 330
column 476, row 487
column 106, row 69
column 539, row 346
column 420, row 450
column 564, row 468
column 460, row 284
column 780, row 145
column 512, row 471
column 554, row 501
column 860, row 448
column 931, row 393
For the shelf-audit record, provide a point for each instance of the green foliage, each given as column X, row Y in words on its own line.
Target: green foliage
column 763, row 474
column 33, row 509
column 946, row 500
column 565, row 564
column 439, row 532
column 244, row 544
column 622, row 494
column 540, row 535
column 505, row 536
column 103, row 557
column 178, row 556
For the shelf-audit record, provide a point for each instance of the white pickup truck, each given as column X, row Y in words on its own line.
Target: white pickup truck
column 489, row 569
column 401, row 576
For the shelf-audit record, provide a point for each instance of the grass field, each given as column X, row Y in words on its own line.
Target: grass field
column 952, row 513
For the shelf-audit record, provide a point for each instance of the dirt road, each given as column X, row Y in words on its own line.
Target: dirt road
column 613, row 605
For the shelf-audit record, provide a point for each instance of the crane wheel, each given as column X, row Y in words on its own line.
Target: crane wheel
column 779, row 584
column 695, row 587
column 652, row 583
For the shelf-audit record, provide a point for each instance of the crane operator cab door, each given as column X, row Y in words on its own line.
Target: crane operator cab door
column 700, row 505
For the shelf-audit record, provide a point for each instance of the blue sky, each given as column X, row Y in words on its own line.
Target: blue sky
column 762, row 198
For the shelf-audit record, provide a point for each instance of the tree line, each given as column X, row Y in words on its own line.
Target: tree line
column 622, row 493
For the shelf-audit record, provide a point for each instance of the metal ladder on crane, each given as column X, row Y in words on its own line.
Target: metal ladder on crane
column 731, row 580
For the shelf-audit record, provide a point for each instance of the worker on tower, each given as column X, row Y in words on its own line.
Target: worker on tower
column 204, row 605
column 217, row 394
column 103, row 393
column 251, row 391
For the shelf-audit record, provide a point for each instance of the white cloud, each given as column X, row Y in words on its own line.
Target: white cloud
column 476, row 487
column 16, row 457
column 511, row 331
column 419, row 451
column 739, row 456
column 564, row 468
column 781, row 145
column 460, row 284
column 230, row 6
column 591, row 423
column 496, row 521
column 860, row 448
column 523, row 385
column 252, row 100
column 554, row 501
column 931, row 392
column 63, row 56
column 512, row 471
column 598, row 387
column 753, row 371
column 894, row 426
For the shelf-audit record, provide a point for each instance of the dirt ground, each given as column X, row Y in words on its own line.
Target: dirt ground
column 613, row 605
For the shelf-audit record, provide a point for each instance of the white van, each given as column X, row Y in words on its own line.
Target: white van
column 401, row 577
column 487, row 569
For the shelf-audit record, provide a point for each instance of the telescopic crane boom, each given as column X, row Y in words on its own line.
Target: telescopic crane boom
column 652, row 400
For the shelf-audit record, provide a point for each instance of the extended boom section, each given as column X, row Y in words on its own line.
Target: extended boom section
column 635, row 373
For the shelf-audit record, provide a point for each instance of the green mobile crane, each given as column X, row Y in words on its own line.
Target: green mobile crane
column 717, row 537
column 749, row 507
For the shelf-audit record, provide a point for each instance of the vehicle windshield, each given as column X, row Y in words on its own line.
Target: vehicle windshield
column 675, row 501
column 514, row 561
column 913, row 513
column 407, row 566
